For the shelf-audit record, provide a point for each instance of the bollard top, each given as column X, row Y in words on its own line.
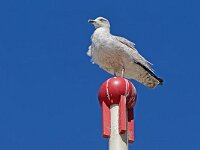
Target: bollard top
column 112, row 89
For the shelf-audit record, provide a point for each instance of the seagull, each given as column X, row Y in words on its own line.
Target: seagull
column 118, row 56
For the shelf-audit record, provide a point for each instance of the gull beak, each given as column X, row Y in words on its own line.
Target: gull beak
column 91, row 21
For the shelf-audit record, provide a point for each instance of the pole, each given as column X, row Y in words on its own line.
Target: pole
column 117, row 97
column 117, row 141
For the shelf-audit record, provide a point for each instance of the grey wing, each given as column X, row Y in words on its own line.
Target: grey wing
column 135, row 54
column 150, row 79
column 125, row 41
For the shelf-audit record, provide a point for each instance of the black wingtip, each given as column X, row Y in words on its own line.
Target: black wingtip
column 161, row 81
column 151, row 72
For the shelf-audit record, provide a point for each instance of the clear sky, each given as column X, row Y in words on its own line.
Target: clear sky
column 48, row 87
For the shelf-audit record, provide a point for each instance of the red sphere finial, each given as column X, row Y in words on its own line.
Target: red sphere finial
column 112, row 89
column 118, row 91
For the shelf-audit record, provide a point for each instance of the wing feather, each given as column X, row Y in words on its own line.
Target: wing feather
column 136, row 56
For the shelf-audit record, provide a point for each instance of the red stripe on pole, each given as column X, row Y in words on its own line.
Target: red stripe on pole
column 122, row 115
column 105, row 120
column 130, row 125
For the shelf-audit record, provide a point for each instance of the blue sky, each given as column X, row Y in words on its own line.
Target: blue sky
column 48, row 87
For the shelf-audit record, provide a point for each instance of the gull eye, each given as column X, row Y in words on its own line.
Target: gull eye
column 102, row 20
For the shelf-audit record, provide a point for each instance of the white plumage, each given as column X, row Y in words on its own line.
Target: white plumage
column 118, row 56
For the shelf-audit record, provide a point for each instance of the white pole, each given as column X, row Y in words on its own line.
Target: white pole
column 117, row 141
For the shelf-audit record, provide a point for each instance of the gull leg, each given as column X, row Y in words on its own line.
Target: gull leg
column 123, row 70
column 115, row 72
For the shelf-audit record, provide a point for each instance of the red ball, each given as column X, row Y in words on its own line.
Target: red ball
column 112, row 89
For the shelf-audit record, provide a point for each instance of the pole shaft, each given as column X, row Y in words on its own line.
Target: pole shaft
column 117, row 141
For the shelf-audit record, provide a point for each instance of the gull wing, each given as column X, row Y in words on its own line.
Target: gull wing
column 137, row 58
column 125, row 41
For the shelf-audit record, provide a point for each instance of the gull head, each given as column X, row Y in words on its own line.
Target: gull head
column 100, row 22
